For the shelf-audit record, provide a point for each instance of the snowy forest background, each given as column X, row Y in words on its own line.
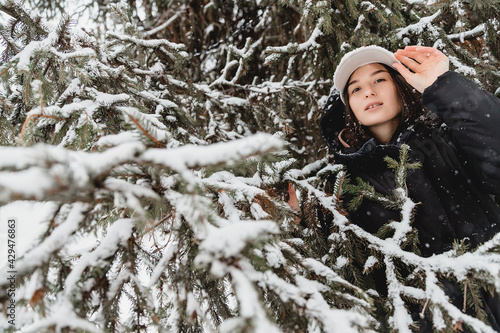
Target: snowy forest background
column 157, row 141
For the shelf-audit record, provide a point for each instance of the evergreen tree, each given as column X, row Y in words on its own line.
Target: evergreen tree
column 144, row 133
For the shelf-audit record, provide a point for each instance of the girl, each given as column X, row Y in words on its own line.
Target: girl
column 384, row 100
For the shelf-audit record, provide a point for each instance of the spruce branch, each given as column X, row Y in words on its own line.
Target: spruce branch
column 299, row 277
column 136, row 122
column 364, row 190
column 35, row 116
column 8, row 42
column 63, row 27
column 404, row 289
column 176, row 48
column 21, row 14
column 277, row 53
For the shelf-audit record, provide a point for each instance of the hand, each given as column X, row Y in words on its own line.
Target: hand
column 425, row 63
column 293, row 202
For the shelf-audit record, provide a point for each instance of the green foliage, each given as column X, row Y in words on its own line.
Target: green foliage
column 153, row 79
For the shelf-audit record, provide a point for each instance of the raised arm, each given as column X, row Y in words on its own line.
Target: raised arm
column 472, row 114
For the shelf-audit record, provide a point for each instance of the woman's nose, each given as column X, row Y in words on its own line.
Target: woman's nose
column 369, row 92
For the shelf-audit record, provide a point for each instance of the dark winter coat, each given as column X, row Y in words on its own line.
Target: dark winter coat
column 460, row 170
column 458, row 179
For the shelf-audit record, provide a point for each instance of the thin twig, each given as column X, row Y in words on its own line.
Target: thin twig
column 465, row 297
column 5, row 71
column 422, row 314
column 36, row 115
column 136, row 122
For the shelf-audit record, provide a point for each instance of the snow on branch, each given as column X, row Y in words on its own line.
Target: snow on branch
column 85, row 52
column 62, row 316
column 244, row 56
column 28, row 17
column 148, row 125
column 57, row 174
column 473, row 33
column 227, row 241
column 43, row 252
column 417, row 28
column 47, row 45
column 294, row 48
column 165, row 24
column 51, row 172
column 192, row 156
column 117, row 234
column 151, row 43
column 458, row 266
column 438, row 297
column 23, row 58
column 248, row 299
column 74, row 176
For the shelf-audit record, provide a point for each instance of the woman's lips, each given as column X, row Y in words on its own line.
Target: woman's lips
column 373, row 106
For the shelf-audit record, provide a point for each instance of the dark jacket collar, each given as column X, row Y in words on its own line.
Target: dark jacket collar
column 371, row 154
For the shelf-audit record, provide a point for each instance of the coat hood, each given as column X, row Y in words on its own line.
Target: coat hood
column 371, row 154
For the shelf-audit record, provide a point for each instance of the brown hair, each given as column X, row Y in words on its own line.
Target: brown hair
column 413, row 111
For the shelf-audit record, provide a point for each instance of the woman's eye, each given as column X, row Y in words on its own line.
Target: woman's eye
column 379, row 80
column 354, row 90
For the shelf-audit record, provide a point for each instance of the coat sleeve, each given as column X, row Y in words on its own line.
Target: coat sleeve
column 473, row 116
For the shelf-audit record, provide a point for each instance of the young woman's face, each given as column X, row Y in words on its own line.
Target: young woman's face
column 373, row 97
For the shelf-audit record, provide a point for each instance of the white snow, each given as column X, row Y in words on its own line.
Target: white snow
column 22, row 182
column 56, row 240
column 31, row 220
column 223, row 212
column 197, row 156
column 116, row 235
column 424, row 23
column 231, row 239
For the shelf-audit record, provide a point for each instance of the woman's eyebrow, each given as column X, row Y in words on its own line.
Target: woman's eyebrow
column 372, row 74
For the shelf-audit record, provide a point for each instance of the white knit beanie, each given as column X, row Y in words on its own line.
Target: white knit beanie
column 359, row 57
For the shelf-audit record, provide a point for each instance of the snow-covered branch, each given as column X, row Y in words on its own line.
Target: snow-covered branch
column 484, row 260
